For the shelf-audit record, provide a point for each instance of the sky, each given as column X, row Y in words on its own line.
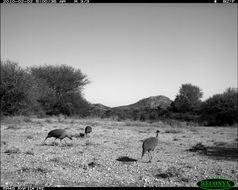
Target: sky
column 128, row 51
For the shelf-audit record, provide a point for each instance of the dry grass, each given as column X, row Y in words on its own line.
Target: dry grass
column 111, row 155
column 174, row 131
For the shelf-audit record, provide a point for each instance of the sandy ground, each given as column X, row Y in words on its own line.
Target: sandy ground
column 111, row 156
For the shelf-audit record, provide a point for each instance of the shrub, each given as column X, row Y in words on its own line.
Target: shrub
column 16, row 88
column 221, row 109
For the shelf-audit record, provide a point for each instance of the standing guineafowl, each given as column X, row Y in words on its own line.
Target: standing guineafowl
column 88, row 129
column 149, row 144
column 58, row 134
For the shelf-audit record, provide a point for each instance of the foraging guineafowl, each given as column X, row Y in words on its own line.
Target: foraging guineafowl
column 88, row 129
column 149, row 144
column 58, row 134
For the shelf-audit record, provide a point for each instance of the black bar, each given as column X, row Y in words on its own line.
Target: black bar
column 116, row 1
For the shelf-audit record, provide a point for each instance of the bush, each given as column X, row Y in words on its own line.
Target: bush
column 188, row 99
column 16, row 88
column 63, row 85
column 221, row 109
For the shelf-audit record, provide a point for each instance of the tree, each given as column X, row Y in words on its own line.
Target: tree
column 16, row 89
column 64, row 86
column 188, row 99
column 221, row 109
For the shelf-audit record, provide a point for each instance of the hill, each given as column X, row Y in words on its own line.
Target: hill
column 151, row 102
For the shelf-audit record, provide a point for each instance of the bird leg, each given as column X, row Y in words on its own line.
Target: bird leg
column 150, row 156
column 66, row 142
column 54, row 141
column 61, row 141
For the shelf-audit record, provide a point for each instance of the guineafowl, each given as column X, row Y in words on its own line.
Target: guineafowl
column 88, row 129
column 149, row 144
column 58, row 134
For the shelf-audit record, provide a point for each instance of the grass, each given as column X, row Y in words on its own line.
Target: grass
column 199, row 147
column 29, row 137
column 30, row 152
column 169, row 172
column 13, row 150
column 38, row 169
column 173, row 131
column 13, row 127
column 91, row 162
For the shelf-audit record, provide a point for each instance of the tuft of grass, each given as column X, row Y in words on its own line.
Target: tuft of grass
column 13, row 150
column 29, row 137
column 27, row 119
column 193, row 130
column 48, row 120
column 40, row 170
column 56, row 159
column 3, row 142
column 24, row 169
column 38, row 122
column 41, row 114
column 174, row 131
column 142, row 131
column 11, row 120
column 13, row 127
column 173, row 171
column 185, row 179
column 170, row 172
column 88, row 143
column 29, row 152
column 199, row 147
column 36, row 170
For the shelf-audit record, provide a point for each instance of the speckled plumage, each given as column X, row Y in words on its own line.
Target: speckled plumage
column 149, row 144
column 88, row 129
column 58, row 134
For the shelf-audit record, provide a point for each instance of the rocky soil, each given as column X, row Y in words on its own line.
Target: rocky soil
column 111, row 156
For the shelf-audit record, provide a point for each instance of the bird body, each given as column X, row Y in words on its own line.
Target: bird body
column 149, row 144
column 88, row 129
column 58, row 134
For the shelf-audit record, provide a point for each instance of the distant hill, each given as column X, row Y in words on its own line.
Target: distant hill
column 131, row 111
column 98, row 109
column 100, row 106
column 150, row 102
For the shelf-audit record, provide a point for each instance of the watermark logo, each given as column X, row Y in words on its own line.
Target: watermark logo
column 215, row 183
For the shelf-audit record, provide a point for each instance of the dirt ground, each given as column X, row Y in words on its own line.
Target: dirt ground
column 111, row 155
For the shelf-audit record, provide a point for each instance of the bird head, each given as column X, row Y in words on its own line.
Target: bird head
column 157, row 133
column 70, row 136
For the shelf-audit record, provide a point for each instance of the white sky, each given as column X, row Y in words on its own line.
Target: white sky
column 128, row 51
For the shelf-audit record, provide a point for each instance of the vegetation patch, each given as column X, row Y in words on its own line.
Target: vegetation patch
column 170, row 172
column 29, row 152
column 13, row 150
column 199, row 147
column 29, row 137
column 13, row 127
column 174, row 131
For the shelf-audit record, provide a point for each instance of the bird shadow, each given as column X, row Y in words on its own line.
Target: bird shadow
column 57, row 144
column 126, row 159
